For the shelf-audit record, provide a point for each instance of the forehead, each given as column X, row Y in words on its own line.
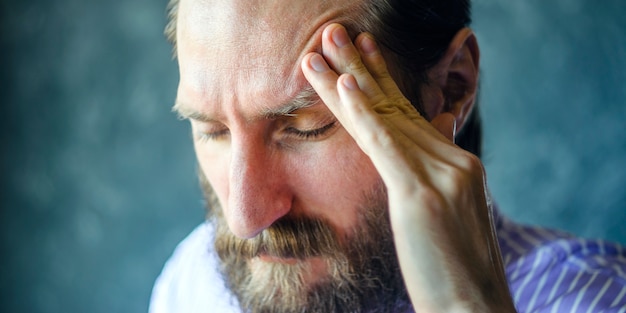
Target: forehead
column 251, row 46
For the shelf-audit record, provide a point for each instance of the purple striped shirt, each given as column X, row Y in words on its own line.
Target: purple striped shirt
column 551, row 271
column 548, row 271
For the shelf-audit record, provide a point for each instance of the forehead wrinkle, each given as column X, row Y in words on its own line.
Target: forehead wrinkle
column 239, row 59
column 307, row 97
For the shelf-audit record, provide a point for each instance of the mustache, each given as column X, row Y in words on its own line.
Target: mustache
column 298, row 238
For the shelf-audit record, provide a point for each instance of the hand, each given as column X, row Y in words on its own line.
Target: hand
column 438, row 202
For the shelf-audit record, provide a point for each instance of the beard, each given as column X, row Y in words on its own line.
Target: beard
column 361, row 271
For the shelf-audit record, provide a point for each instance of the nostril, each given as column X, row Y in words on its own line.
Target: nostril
column 257, row 188
column 253, row 210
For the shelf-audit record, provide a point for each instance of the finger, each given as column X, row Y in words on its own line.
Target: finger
column 376, row 137
column 323, row 80
column 445, row 123
column 343, row 57
column 359, row 120
column 375, row 63
column 389, row 149
column 400, row 112
column 351, row 108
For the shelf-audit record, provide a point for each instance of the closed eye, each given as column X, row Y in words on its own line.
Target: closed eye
column 312, row 133
column 211, row 136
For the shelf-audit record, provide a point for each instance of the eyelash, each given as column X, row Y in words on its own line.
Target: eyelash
column 204, row 137
column 313, row 133
column 302, row 134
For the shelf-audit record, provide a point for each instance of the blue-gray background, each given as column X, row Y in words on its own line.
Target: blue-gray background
column 98, row 180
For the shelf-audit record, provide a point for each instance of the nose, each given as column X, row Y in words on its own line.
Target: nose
column 258, row 190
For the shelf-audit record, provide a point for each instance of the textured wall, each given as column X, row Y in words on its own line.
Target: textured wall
column 98, row 180
column 554, row 95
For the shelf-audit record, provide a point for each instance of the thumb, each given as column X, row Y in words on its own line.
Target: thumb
column 445, row 123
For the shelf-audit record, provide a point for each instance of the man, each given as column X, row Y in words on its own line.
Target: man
column 329, row 192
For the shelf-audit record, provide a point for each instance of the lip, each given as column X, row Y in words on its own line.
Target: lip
column 275, row 259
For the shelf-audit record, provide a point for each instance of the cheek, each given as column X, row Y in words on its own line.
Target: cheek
column 331, row 181
column 326, row 179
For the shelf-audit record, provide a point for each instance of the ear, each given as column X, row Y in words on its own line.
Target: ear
column 453, row 81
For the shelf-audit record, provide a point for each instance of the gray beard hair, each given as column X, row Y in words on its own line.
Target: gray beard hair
column 363, row 274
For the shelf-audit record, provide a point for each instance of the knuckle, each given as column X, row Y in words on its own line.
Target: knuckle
column 470, row 163
column 462, row 175
column 454, row 180
column 380, row 71
column 354, row 65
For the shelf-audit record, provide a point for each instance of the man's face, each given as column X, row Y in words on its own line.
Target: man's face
column 277, row 160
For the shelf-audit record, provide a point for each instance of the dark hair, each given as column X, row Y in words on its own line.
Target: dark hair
column 416, row 33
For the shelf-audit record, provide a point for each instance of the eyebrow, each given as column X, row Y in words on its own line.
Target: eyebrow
column 307, row 97
column 184, row 113
column 304, row 99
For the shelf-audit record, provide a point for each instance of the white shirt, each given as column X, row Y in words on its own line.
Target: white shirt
column 190, row 281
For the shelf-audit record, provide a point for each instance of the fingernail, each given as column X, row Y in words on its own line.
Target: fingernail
column 454, row 132
column 340, row 37
column 318, row 63
column 368, row 45
column 350, row 82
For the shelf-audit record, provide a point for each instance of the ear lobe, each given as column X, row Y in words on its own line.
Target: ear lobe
column 456, row 77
